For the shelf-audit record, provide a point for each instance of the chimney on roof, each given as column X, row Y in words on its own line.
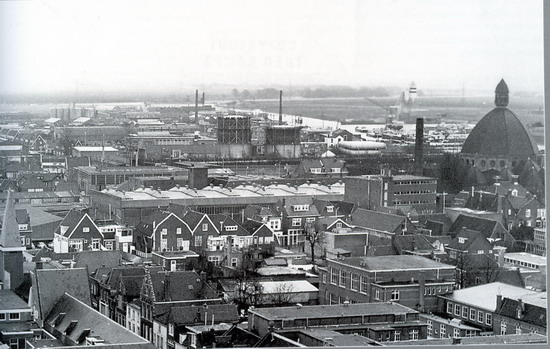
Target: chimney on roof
column 499, row 302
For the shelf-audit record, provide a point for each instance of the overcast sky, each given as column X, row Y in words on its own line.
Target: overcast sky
column 52, row 46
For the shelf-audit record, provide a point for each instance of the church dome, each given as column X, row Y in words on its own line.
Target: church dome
column 500, row 133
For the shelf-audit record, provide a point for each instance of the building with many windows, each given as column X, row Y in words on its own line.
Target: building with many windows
column 412, row 281
column 387, row 190
column 477, row 305
column 378, row 321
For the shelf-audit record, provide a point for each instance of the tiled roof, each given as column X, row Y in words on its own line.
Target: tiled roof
column 80, row 319
column 531, row 314
column 195, row 314
column 380, row 221
column 9, row 300
column 217, row 219
column 483, row 225
column 179, row 286
column 9, row 234
column 50, row 285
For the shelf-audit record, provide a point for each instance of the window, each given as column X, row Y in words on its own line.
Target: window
column 456, row 333
column 413, row 335
column 480, row 252
column 457, row 309
column 489, row 319
column 296, row 222
column 198, row 240
column 214, row 260
column 86, row 229
column 230, row 228
column 2, row 316
column 14, row 316
column 377, row 294
column 179, row 242
column 518, row 329
column 164, row 231
column 449, row 308
column 330, row 209
column 480, row 316
column 343, row 278
column 171, row 329
column 363, row 286
column 95, row 244
column 528, row 213
column 397, row 336
column 465, row 312
column 462, row 240
column 473, row 314
column 395, row 295
column 355, row 282
column 324, row 278
column 205, row 227
column 430, row 327
column 234, row 262
column 333, row 276
column 442, row 330
column 178, row 230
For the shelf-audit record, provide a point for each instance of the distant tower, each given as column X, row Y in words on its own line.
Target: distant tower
column 501, row 94
column 11, row 249
column 412, row 92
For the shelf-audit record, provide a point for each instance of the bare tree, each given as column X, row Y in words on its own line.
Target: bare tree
column 283, row 295
column 314, row 237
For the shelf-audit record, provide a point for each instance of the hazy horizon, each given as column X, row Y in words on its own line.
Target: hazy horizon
column 102, row 47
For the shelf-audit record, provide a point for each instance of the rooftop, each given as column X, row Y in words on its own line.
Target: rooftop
column 9, row 301
column 485, row 296
column 526, row 257
column 398, row 262
column 330, row 311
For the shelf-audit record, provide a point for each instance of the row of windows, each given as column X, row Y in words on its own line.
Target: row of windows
column 296, row 222
column 413, row 192
column 415, row 182
column 340, row 277
column 470, row 314
column 521, row 263
column 10, row 316
column 413, row 202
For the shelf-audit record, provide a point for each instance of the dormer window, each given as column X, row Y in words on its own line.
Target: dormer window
column 462, row 240
column 315, row 170
column 300, row 208
column 330, row 209
column 515, row 192
column 230, row 228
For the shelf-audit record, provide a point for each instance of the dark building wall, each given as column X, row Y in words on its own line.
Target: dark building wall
column 11, row 263
column 365, row 193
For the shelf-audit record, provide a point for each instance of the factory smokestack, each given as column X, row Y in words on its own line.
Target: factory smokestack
column 280, row 107
column 419, row 147
column 196, row 106
column 202, row 99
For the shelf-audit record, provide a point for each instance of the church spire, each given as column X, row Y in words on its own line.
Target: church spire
column 501, row 94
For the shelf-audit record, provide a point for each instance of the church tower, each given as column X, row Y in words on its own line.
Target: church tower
column 11, row 249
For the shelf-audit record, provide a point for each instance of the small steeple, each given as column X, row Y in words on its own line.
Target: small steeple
column 501, row 94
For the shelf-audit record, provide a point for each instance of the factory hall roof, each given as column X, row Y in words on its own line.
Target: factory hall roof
column 398, row 262
column 330, row 311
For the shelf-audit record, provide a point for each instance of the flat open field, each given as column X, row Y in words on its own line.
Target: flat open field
column 359, row 110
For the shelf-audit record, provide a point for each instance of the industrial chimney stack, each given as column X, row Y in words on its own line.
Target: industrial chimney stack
column 419, row 147
column 196, row 106
column 280, row 107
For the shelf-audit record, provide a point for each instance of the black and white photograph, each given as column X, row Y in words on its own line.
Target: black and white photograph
column 186, row 174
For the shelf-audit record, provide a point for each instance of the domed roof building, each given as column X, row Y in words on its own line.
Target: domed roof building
column 499, row 140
